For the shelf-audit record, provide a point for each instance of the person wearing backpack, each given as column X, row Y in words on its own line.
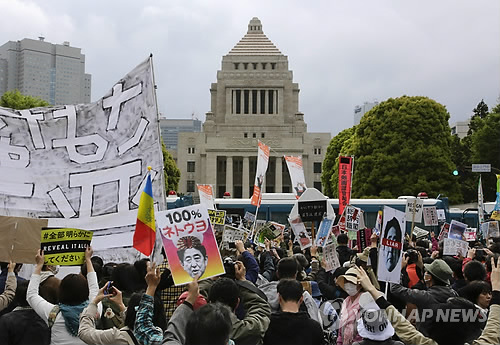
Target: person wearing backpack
column 74, row 294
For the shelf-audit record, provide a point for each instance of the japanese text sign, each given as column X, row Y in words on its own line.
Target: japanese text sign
column 217, row 217
column 312, row 210
column 455, row 247
column 414, row 206
column 345, row 172
column 430, row 216
column 65, row 247
column 189, row 243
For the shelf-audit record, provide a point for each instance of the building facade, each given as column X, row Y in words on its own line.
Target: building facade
column 53, row 72
column 253, row 99
column 170, row 129
column 360, row 110
column 460, row 128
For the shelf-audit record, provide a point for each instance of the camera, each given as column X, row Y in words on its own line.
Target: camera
column 229, row 267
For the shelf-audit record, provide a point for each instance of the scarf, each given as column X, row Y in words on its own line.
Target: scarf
column 350, row 309
column 71, row 315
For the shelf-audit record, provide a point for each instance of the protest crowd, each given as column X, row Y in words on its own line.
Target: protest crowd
column 271, row 293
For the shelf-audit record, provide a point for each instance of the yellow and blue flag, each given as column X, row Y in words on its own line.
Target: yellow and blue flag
column 145, row 230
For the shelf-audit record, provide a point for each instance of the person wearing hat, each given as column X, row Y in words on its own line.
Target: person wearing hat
column 361, row 260
column 437, row 280
column 348, row 282
column 373, row 325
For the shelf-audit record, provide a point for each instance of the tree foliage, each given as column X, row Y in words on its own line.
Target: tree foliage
column 171, row 171
column 401, row 147
column 16, row 100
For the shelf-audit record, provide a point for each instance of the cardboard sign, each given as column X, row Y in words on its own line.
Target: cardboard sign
column 430, row 216
column 217, row 217
column 323, row 232
column 455, row 247
column 331, row 257
column 445, row 229
column 414, row 205
column 232, row 234
column 390, row 252
column 189, row 243
column 65, row 247
column 419, row 232
column 457, row 230
column 312, row 210
column 300, row 232
column 20, row 238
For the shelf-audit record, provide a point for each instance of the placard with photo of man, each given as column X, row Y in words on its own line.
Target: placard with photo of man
column 391, row 248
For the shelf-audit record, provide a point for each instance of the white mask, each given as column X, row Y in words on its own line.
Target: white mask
column 350, row 288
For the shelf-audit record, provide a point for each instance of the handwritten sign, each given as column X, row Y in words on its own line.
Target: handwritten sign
column 232, row 234
column 455, row 247
column 414, row 205
column 217, row 217
column 430, row 216
column 65, row 247
column 353, row 217
column 331, row 257
column 419, row 232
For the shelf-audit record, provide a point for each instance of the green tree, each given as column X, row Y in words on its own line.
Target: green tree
column 402, row 147
column 172, row 173
column 486, row 149
column 16, row 100
column 330, row 163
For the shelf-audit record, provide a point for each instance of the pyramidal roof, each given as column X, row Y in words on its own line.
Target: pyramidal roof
column 255, row 42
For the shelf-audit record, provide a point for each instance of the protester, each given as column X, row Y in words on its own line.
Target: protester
column 6, row 269
column 344, row 252
column 23, row 326
column 10, row 287
column 144, row 325
column 74, row 294
column 350, row 307
column 454, row 328
column 291, row 326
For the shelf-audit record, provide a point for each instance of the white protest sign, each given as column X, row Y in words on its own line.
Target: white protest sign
column 455, row 247
column 441, row 215
column 414, row 205
column 391, row 248
column 85, row 166
column 419, row 232
column 331, row 258
column 430, row 216
column 300, row 232
column 456, row 229
column 232, row 234
column 353, row 217
column 206, row 195
column 249, row 216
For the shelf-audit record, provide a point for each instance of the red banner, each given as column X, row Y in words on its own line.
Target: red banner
column 345, row 169
column 392, row 244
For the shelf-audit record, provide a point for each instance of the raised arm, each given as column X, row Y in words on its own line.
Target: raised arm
column 10, row 287
column 38, row 303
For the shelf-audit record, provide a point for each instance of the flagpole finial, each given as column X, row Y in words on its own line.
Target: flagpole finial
column 149, row 168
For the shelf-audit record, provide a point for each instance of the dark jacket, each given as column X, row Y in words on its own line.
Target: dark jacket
column 345, row 254
column 23, row 326
column 293, row 328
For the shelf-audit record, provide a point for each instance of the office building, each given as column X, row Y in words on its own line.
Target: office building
column 360, row 110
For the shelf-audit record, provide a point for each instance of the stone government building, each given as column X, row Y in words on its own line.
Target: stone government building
column 253, row 99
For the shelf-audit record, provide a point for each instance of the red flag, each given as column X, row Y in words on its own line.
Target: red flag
column 345, row 170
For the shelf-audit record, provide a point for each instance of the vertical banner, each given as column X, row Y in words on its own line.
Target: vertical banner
column 206, row 196
column 189, row 243
column 296, row 171
column 345, row 175
column 391, row 248
column 480, row 202
column 363, row 239
column 262, row 162
column 496, row 210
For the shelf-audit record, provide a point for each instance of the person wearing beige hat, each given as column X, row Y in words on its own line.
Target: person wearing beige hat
column 348, row 332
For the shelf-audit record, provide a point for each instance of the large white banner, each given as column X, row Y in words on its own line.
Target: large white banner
column 391, row 247
column 262, row 163
column 84, row 166
column 296, row 170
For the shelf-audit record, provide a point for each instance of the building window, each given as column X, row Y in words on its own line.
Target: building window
column 246, row 98
column 317, row 185
column 262, row 101
column 238, row 101
column 270, row 103
column 190, row 184
column 317, row 150
column 254, row 135
column 236, row 65
column 262, row 135
column 191, row 150
column 245, row 65
column 317, row 167
column 191, row 167
column 254, row 101
column 245, row 135
column 264, row 65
